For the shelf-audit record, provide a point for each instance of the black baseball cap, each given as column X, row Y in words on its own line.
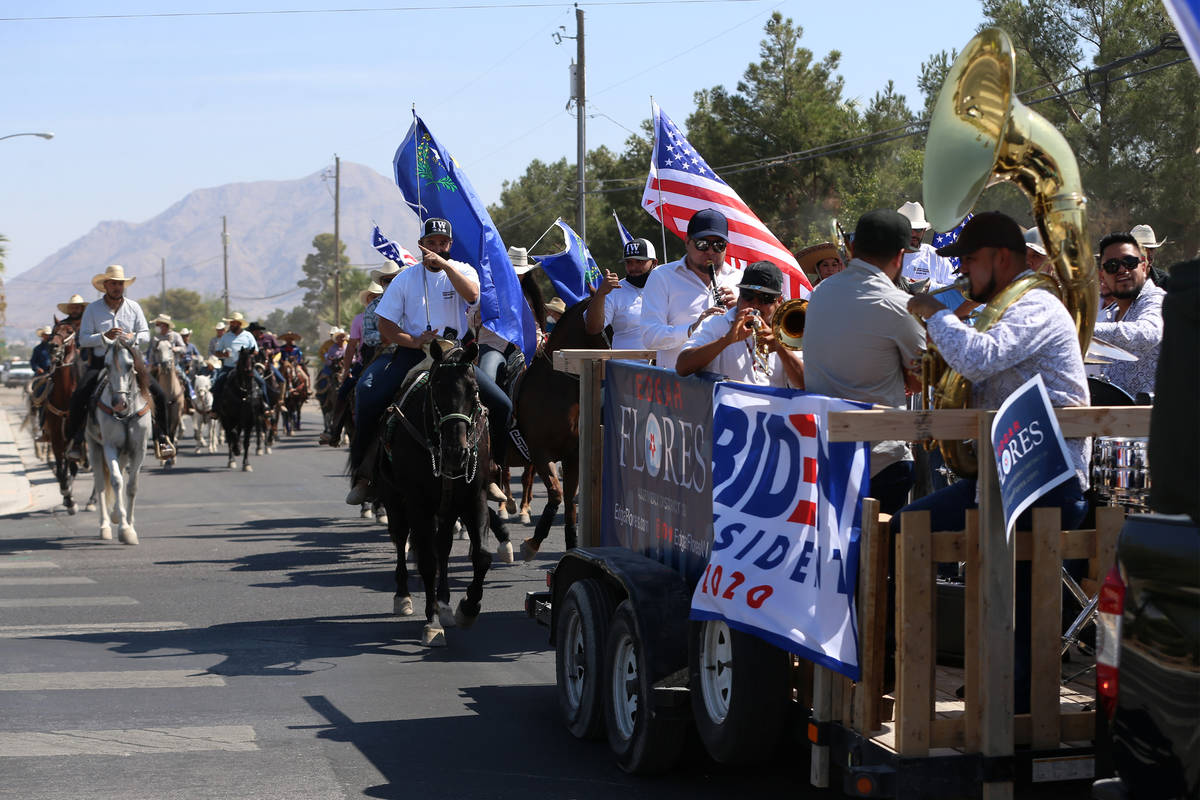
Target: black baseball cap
column 639, row 250
column 986, row 229
column 762, row 276
column 883, row 232
column 708, row 222
column 436, row 226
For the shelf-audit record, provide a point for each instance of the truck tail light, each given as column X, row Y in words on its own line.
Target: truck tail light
column 1109, row 611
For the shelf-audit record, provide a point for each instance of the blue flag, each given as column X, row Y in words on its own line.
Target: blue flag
column 573, row 270
column 434, row 185
column 626, row 238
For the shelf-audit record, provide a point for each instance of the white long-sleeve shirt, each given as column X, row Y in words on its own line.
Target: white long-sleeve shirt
column 1140, row 332
column 926, row 263
column 98, row 319
column 672, row 300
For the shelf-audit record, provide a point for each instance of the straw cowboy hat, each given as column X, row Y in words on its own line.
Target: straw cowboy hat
column 163, row 319
column 1145, row 236
column 366, row 294
column 113, row 272
column 221, row 325
column 236, row 316
column 75, row 300
column 915, row 213
column 809, row 256
column 391, row 268
column 213, row 362
column 291, row 336
column 520, row 260
column 557, row 306
column 185, row 331
column 43, row 331
column 336, row 332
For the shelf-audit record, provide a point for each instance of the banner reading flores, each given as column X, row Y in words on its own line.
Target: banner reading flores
column 787, row 507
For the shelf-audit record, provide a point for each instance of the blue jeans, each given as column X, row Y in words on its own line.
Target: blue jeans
column 892, row 485
column 219, row 379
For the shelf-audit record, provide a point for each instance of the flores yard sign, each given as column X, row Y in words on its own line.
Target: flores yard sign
column 787, row 505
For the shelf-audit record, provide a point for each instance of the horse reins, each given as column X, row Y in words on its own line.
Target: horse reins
column 438, row 420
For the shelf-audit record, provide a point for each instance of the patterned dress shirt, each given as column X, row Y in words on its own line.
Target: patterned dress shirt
column 370, row 324
column 1140, row 332
column 1035, row 336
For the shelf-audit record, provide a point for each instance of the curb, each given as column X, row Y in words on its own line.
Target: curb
column 16, row 494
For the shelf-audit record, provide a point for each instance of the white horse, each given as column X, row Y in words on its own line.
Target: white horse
column 117, row 433
column 207, row 429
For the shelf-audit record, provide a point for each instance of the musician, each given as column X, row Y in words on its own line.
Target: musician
column 821, row 261
column 1035, row 253
column 681, row 294
column 1134, row 320
column 419, row 306
column 1034, row 336
column 922, row 262
column 618, row 302
column 724, row 343
column 112, row 318
column 859, row 338
column 1150, row 244
column 216, row 340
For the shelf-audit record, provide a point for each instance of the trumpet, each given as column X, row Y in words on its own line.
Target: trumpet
column 760, row 352
column 787, row 326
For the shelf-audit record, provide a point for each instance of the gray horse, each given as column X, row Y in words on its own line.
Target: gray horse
column 117, row 432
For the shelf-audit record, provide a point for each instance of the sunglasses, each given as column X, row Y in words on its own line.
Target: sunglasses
column 704, row 244
column 757, row 298
column 1113, row 265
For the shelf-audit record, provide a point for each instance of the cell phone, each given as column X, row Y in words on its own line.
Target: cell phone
column 950, row 298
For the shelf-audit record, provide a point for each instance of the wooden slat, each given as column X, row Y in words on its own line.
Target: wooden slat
column 1046, row 625
column 1108, row 527
column 871, row 583
column 949, row 546
column 848, row 691
column 1074, row 726
column 948, row 733
column 971, row 638
column 882, row 424
column 571, row 360
column 914, row 635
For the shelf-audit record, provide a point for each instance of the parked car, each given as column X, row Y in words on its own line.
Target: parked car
column 18, row 373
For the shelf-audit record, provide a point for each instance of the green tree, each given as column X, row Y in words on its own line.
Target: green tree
column 320, row 268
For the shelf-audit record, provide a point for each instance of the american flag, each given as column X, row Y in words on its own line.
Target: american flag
column 626, row 237
column 681, row 183
column 390, row 250
column 950, row 237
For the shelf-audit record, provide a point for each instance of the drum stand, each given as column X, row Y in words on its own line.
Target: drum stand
column 1086, row 616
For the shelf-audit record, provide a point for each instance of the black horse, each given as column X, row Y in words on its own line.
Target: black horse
column 432, row 471
column 239, row 408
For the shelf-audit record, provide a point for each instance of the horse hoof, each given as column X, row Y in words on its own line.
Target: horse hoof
column 460, row 531
column 505, row 553
column 502, row 513
column 268, row 451
column 529, row 549
column 247, row 468
column 510, row 506
column 128, row 535
column 462, row 618
column 90, row 507
column 106, row 533
column 445, row 615
column 382, row 519
column 525, row 517
column 72, row 510
column 402, row 607
column 366, row 513
column 232, row 464
column 433, row 637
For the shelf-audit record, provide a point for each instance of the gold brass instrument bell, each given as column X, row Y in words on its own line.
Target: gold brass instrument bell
column 787, row 326
column 981, row 134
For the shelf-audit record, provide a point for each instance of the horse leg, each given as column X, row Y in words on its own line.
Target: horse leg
column 116, row 486
column 103, row 497
column 509, row 506
column 504, row 548
column 530, row 547
column 246, row 447
column 434, row 634
column 475, row 516
column 402, row 604
column 527, row 476
column 233, row 444
column 132, row 469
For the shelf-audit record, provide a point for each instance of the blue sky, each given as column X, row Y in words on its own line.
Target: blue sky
column 145, row 110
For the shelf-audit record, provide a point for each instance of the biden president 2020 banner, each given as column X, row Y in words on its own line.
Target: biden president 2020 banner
column 787, row 508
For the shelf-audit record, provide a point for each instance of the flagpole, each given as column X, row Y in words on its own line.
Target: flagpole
column 420, row 214
column 543, row 236
column 662, row 217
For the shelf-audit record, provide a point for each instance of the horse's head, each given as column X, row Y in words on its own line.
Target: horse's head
column 245, row 362
column 163, row 352
column 458, row 415
column 62, row 342
column 127, row 375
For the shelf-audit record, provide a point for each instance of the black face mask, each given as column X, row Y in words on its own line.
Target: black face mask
column 638, row 280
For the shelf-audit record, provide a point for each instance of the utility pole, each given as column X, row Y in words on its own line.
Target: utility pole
column 225, row 253
column 164, row 284
column 580, row 110
column 337, row 261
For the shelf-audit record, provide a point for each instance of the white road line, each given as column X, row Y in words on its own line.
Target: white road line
column 47, row 602
column 128, row 741
column 46, row 581
column 17, row 564
column 85, row 628
column 124, row 679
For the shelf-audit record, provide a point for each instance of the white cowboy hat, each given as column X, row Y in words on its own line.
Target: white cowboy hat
column 221, row 325
column 185, row 331
column 336, row 332
column 76, row 300
column 163, row 319
column 1145, row 236
column 391, row 268
column 213, row 362
column 915, row 213
column 113, row 272
column 1033, row 240
column 43, row 331
column 236, row 316
column 520, row 260
column 366, row 294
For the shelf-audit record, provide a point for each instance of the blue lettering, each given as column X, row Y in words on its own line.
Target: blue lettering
column 763, row 502
column 774, row 555
column 750, row 546
column 724, row 538
column 798, row 574
column 729, row 437
column 736, row 488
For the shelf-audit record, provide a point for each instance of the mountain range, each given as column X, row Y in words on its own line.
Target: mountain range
column 271, row 227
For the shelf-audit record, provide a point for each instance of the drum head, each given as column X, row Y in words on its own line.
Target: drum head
column 1106, row 394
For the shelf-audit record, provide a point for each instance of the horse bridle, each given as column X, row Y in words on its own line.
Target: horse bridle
column 433, row 443
column 117, row 415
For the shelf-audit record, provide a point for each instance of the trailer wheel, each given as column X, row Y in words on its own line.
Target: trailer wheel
column 740, row 689
column 582, row 630
column 644, row 742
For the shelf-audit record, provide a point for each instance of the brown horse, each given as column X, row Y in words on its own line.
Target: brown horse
column 295, row 392
column 172, row 386
column 63, row 377
column 547, row 415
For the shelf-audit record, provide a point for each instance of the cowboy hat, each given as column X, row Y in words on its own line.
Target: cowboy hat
column 213, row 362
column 75, row 300
column 1033, row 240
column 163, row 319
column 915, row 214
column 44, row 331
column 809, row 256
column 390, row 268
column 113, row 272
column 220, row 325
column 366, row 294
column 1145, row 236
column 291, row 336
column 255, row 327
column 557, row 306
column 520, row 260
column 185, row 331
column 236, row 316
column 335, row 332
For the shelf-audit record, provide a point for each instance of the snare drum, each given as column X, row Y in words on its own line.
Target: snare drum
column 1121, row 471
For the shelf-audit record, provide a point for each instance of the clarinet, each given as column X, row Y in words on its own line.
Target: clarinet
column 712, row 285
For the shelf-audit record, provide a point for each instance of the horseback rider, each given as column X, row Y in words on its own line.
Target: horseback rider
column 268, row 348
column 73, row 308
column 191, row 353
column 112, row 318
column 233, row 342
column 167, row 333
column 419, row 306
column 39, row 360
column 216, row 340
column 288, row 351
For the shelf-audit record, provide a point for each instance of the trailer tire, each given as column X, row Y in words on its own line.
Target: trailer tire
column 643, row 741
column 582, row 629
column 740, row 689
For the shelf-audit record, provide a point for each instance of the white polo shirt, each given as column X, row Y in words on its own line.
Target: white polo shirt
column 623, row 310
column 672, row 300
column 414, row 290
column 926, row 263
column 734, row 362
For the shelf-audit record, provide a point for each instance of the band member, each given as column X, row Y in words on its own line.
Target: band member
column 618, row 302
column 726, row 343
column 1035, row 252
column 922, row 262
column 859, row 340
column 820, row 261
column 1035, row 336
column 1134, row 320
column 680, row 294
column 220, row 329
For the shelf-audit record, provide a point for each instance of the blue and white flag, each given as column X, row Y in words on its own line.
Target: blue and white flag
column 626, row 238
column 573, row 270
column 1186, row 16
column 434, row 186
column 390, row 250
column 950, row 237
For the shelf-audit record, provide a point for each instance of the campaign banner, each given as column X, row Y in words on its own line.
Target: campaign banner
column 1031, row 455
column 786, row 510
column 657, row 456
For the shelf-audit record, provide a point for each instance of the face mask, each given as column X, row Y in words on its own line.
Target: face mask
column 638, row 280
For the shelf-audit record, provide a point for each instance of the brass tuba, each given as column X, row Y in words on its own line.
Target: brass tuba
column 981, row 134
